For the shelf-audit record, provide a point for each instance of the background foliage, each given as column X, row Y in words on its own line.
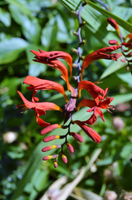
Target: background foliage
column 48, row 25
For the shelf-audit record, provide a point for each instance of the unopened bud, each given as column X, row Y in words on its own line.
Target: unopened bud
column 83, row 23
column 113, row 23
column 113, row 42
column 75, row 33
column 50, row 128
column 70, row 147
column 74, row 65
column 127, row 68
column 123, row 60
column 83, row 41
column 50, row 157
column 55, row 164
column 74, row 13
column 82, row 57
column 74, row 50
column 51, row 137
column 77, row 136
column 51, row 147
column 64, row 158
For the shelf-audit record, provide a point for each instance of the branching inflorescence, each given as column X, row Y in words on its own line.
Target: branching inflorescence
column 99, row 100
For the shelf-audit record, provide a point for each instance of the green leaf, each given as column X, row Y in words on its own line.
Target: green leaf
column 30, row 27
column 10, row 49
column 115, row 66
column 74, row 6
column 5, row 17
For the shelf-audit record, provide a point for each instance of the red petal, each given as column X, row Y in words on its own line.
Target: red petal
column 41, row 122
column 93, row 89
column 40, row 84
column 86, row 102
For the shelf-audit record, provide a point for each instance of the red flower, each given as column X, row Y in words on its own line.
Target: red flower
column 40, row 108
column 100, row 54
column 93, row 89
column 53, row 55
column 89, row 131
column 40, row 84
column 50, row 59
column 103, row 104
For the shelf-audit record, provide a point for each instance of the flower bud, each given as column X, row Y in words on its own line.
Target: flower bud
column 50, row 157
column 74, row 13
column 82, row 57
column 74, row 50
column 50, row 138
column 113, row 23
column 83, row 41
column 51, row 147
column 83, row 23
column 74, row 65
column 64, row 158
column 55, row 164
column 50, row 128
column 75, row 33
column 113, row 42
column 77, row 136
column 70, row 147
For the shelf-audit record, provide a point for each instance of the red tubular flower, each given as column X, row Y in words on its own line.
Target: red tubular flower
column 55, row 64
column 50, row 128
column 99, row 54
column 40, row 108
column 103, row 104
column 93, row 89
column 53, row 55
column 40, row 84
column 89, row 131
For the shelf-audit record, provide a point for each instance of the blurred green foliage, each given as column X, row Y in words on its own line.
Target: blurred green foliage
column 48, row 25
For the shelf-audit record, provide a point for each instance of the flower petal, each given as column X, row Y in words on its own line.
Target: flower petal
column 40, row 84
column 41, row 122
column 53, row 55
column 93, row 89
column 86, row 102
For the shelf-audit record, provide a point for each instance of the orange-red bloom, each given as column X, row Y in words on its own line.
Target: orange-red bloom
column 103, row 104
column 41, row 84
column 93, row 89
column 100, row 54
column 40, row 108
column 53, row 55
column 53, row 63
column 89, row 131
